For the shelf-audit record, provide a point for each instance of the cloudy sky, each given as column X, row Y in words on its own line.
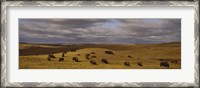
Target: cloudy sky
column 109, row 31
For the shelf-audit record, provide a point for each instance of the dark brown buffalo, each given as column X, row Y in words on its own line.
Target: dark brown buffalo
column 130, row 56
column 139, row 63
column 51, row 56
column 74, row 50
column 87, row 56
column 109, row 52
column 63, row 54
column 61, row 59
column 104, row 61
column 75, row 59
column 127, row 64
column 164, row 64
column 93, row 62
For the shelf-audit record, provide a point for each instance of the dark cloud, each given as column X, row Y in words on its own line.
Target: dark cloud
column 99, row 30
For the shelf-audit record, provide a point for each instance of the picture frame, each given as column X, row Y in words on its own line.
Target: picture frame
column 4, row 45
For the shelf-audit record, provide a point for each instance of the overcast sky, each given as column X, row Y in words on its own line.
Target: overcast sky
column 105, row 31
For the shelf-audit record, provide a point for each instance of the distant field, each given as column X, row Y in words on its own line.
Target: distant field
column 34, row 56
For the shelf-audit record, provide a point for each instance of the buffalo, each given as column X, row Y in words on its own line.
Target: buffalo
column 74, row 50
column 63, row 54
column 61, row 59
column 51, row 56
column 139, row 63
column 109, row 52
column 87, row 56
column 75, row 59
column 104, row 61
column 127, row 64
column 164, row 64
column 130, row 56
column 93, row 62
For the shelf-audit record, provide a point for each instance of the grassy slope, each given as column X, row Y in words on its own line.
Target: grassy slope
column 149, row 55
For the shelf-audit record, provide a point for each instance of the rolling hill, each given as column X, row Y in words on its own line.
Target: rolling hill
column 34, row 56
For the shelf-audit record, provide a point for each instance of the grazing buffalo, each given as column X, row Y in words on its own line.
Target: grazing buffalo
column 61, row 59
column 75, row 59
column 63, row 54
column 87, row 55
column 93, row 62
column 130, row 56
column 94, row 56
column 109, row 52
column 48, row 58
column 164, row 64
column 104, row 61
column 139, row 63
column 74, row 50
column 51, row 56
column 127, row 64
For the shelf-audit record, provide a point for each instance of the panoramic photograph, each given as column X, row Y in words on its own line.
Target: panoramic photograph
column 120, row 43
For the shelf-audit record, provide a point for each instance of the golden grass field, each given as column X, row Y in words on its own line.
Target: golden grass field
column 34, row 56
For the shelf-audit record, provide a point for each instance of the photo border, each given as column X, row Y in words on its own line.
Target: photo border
column 5, row 4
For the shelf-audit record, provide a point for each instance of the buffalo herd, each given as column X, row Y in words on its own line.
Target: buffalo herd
column 90, row 56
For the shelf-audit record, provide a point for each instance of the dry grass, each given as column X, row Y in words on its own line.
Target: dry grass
column 149, row 55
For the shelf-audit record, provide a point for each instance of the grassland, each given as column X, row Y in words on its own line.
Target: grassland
column 34, row 56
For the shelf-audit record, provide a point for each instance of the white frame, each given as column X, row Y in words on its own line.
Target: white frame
column 97, row 3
